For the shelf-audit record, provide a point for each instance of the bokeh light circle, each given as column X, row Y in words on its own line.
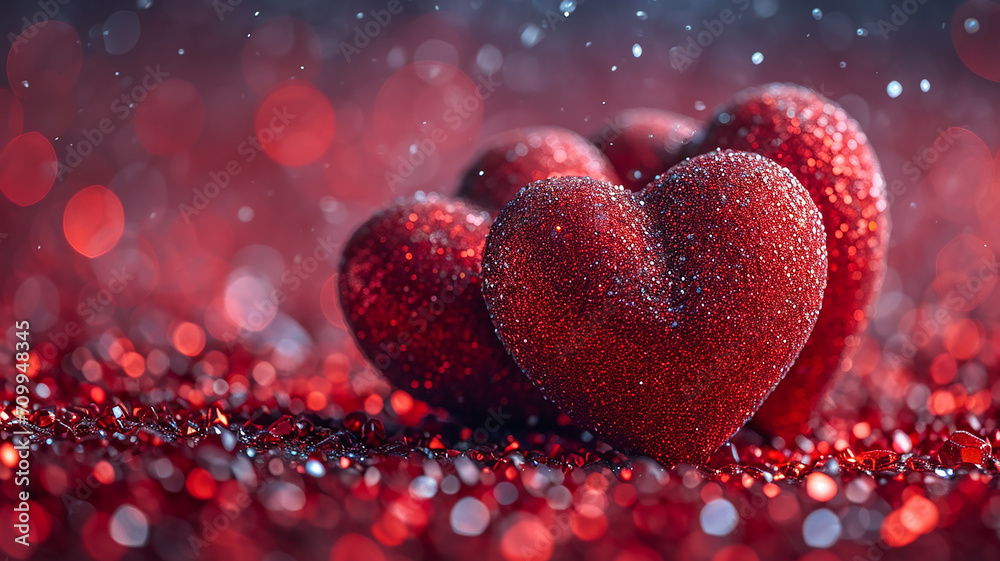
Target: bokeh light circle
column 121, row 32
column 93, row 221
column 960, row 167
column 965, row 273
column 978, row 45
column 44, row 56
column 295, row 124
column 28, row 169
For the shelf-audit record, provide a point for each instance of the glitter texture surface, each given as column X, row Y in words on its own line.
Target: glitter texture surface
column 409, row 287
column 827, row 151
column 521, row 156
column 642, row 143
column 659, row 319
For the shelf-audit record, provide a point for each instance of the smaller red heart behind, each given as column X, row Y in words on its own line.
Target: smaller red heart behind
column 829, row 153
column 518, row 157
column 661, row 319
column 409, row 287
column 642, row 143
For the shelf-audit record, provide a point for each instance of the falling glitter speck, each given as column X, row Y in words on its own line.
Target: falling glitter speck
column 817, row 14
column 642, row 15
column 567, row 6
column 894, row 89
column 862, row 32
column 699, row 105
column 925, row 85
column 637, row 50
column 757, row 58
column 971, row 25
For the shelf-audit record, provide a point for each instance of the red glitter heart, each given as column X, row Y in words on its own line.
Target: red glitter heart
column 518, row 157
column 660, row 319
column 641, row 143
column 826, row 150
column 409, row 286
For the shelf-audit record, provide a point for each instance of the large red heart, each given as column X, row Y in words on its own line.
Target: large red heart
column 827, row 151
column 409, row 286
column 659, row 319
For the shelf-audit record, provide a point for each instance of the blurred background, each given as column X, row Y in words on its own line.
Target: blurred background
column 179, row 177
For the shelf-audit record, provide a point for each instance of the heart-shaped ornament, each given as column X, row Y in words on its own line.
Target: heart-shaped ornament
column 827, row 151
column 409, row 287
column 660, row 319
